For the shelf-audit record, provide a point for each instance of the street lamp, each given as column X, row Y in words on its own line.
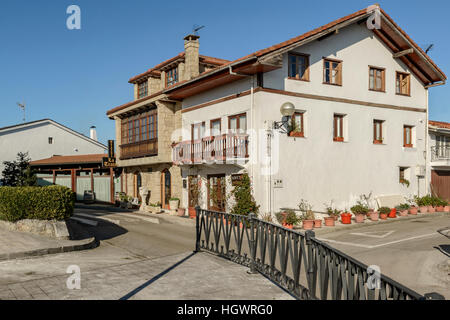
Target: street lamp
column 287, row 110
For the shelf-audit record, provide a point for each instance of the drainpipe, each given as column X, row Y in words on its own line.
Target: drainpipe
column 426, row 147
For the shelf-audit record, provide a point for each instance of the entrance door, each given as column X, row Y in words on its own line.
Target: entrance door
column 216, row 192
column 137, row 183
column 166, row 188
column 440, row 182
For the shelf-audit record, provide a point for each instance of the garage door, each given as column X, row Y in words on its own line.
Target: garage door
column 440, row 182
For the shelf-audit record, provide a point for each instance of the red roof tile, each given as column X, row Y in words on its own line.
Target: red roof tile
column 439, row 124
column 84, row 158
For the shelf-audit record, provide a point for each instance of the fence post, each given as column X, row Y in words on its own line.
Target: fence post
column 197, row 229
column 310, row 273
column 251, row 219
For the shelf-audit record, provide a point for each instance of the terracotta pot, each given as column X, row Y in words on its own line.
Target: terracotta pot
column 336, row 218
column 329, row 221
column 413, row 210
column 308, row 224
column 288, row 226
column 393, row 213
column 423, row 209
column 447, row 209
column 370, row 212
column 431, row 209
column 192, row 213
column 346, row 218
column 383, row 216
column 317, row 223
column 359, row 218
column 440, row 209
column 181, row 212
column 374, row 216
column 404, row 213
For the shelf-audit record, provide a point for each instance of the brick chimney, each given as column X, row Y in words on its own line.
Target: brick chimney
column 191, row 58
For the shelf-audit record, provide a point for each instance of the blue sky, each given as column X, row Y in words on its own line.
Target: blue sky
column 75, row 76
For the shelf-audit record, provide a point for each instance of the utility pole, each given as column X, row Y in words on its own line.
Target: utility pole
column 22, row 106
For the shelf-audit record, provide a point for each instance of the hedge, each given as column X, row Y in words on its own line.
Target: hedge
column 42, row 203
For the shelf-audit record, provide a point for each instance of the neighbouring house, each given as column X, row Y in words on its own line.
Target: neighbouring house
column 439, row 141
column 144, row 126
column 80, row 173
column 354, row 120
column 44, row 139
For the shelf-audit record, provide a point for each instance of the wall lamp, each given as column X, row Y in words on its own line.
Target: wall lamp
column 287, row 110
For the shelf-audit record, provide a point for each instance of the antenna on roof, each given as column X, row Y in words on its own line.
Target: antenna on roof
column 429, row 48
column 22, row 106
column 196, row 28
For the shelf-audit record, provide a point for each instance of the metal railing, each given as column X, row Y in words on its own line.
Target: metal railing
column 307, row 268
column 440, row 153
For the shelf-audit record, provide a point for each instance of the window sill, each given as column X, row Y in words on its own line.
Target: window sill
column 338, row 139
column 379, row 91
column 332, row 84
column 304, row 80
column 403, row 94
column 296, row 134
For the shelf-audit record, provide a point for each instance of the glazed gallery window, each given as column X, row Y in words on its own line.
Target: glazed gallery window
column 407, row 137
column 338, row 127
column 142, row 89
column 299, row 67
column 378, row 131
column 402, row 84
column 140, row 128
column 332, row 72
column 171, row 76
column 238, row 123
column 376, row 79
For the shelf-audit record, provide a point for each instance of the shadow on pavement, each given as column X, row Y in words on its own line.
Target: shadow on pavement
column 103, row 231
column 444, row 248
column 149, row 282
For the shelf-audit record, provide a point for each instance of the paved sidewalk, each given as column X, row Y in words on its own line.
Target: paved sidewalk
column 180, row 276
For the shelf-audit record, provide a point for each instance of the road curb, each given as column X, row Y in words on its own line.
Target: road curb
column 86, row 244
column 353, row 226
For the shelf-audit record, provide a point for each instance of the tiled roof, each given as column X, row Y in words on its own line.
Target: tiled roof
column 84, row 158
column 439, row 124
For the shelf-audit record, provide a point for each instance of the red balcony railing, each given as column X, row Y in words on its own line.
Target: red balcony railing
column 223, row 148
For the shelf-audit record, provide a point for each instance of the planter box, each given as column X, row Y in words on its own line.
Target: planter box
column 173, row 204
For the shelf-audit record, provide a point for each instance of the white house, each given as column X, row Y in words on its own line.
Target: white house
column 44, row 139
column 359, row 87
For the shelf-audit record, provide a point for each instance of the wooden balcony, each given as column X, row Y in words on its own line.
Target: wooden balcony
column 226, row 148
column 139, row 149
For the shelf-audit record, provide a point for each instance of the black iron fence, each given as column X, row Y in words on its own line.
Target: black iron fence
column 298, row 262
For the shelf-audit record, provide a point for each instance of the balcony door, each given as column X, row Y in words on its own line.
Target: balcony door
column 198, row 131
column 216, row 192
column 166, row 188
column 237, row 123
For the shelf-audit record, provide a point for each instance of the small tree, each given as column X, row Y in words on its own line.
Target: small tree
column 18, row 173
column 244, row 203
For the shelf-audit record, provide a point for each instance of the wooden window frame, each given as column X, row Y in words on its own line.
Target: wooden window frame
column 408, row 76
column 335, row 125
column 211, row 125
column 296, row 77
column 126, row 138
column 383, row 79
column 401, row 174
column 405, row 129
column 139, row 95
column 174, row 70
column 375, row 140
column 339, row 68
column 237, row 116
column 299, row 134
column 193, row 127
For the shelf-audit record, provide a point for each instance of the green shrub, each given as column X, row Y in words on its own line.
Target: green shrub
column 402, row 207
column 384, row 210
column 42, row 203
column 359, row 209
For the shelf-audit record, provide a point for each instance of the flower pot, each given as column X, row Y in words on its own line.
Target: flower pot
column 336, row 218
column 181, row 212
column 288, row 226
column 284, row 215
column 192, row 213
column 413, row 210
column 423, row 209
column 317, row 223
column 173, row 204
column 383, row 216
column 359, row 218
column 374, row 216
column 308, row 224
column 346, row 218
column 440, row 209
column 329, row 221
column 447, row 209
column 370, row 212
column 431, row 209
column 393, row 213
column 404, row 213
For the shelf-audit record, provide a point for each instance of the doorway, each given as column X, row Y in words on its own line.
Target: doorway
column 166, row 188
column 216, row 192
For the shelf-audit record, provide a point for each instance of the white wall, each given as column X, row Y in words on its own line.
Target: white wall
column 34, row 140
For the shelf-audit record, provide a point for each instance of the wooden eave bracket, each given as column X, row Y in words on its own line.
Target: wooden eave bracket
column 403, row 53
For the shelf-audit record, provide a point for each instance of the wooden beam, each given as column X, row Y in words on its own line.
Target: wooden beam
column 403, row 53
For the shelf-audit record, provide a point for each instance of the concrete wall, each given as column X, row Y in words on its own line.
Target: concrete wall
column 34, row 140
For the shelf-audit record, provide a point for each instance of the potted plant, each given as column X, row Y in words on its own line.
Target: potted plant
column 374, row 215
column 403, row 209
column 440, row 204
column 181, row 212
column 422, row 202
column 446, row 206
column 384, row 211
column 308, row 220
column 291, row 219
column 333, row 216
column 174, row 203
column 317, row 223
column 295, row 130
column 346, row 217
column 393, row 213
column 360, row 211
column 155, row 207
